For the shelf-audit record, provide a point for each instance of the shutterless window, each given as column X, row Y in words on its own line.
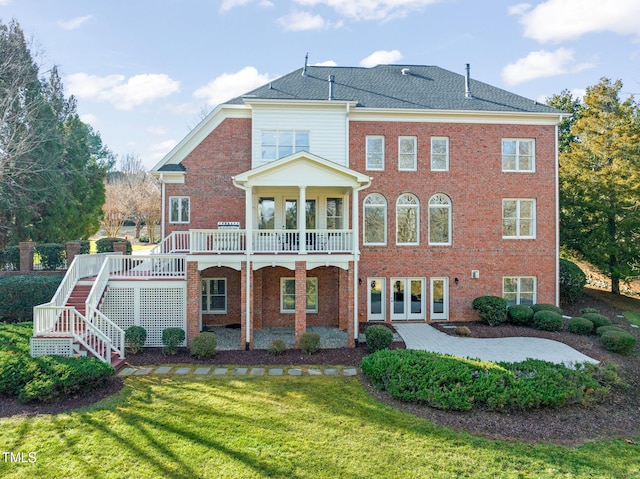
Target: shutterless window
column 518, row 155
column 179, row 209
column 440, row 220
column 407, row 153
column 439, row 154
column 375, row 153
column 518, row 218
column 375, row 219
column 214, row 295
column 288, row 295
column 519, row 290
column 407, row 219
column 335, row 214
column 279, row 143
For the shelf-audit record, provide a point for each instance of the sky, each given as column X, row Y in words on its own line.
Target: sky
column 145, row 72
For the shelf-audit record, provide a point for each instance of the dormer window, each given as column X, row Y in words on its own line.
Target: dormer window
column 280, row 143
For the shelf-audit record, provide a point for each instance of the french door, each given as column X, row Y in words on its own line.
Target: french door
column 407, row 299
column 375, row 299
column 439, row 294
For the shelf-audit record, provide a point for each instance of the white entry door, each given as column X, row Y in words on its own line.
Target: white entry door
column 407, row 299
column 439, row 294
column 375, row 299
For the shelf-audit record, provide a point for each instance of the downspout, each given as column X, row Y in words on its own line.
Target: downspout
column 248, row 248
column 557, row 188
column 162, row 201
column 355, row 219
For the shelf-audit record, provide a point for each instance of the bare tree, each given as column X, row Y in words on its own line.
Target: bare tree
column 116, row 208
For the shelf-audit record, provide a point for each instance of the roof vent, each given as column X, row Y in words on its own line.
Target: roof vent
column 332, row 79
column 405, row 71
column 467, row 83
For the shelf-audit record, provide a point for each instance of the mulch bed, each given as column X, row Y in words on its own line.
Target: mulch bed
column 618, row 416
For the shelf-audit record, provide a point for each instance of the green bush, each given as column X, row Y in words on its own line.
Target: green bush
column 520, row 314
column 19, row 294
column 580, row 326
column 11, row 258
column 589, row 310
column 378, row 337
column 52, row 255
column 204, row 345
column 452, row 383
column 491, row 309
column 277, row 347
column 105, row 245
column 572, row 281
column 618, row 341
column 134, row 338
column 547, row 320
column 597, row 319
column 171, row 339
column 310, row 342
column 603, row 329
column 546, row 307
column 85, row 246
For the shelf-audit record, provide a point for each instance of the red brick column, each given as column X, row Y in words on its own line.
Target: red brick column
column 343, row 299
column 73, row 250
column 243, row 306
column 257, row 298
column 120, row 247
column 301, row 301
column 194, row 292
column 26, row 256
column 351, row 332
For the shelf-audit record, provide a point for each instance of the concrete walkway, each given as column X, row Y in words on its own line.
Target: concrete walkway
column 516, row 349
column 219, row 371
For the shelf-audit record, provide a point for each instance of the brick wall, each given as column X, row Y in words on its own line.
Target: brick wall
column 233, row 315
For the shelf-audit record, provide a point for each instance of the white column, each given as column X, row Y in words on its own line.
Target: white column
column 302, row 220
column 355, row 221
column 248, row 219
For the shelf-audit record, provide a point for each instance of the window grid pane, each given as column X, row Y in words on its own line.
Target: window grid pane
column 440, row 154
column 518, row 155
column 406, row 153
column 375, row 152
column 407, row 213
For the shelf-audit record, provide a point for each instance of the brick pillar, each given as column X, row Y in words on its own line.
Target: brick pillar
column 301, row 301
column 257, row 299
column 73, row 250
column 26, row 256
column 343, row 299
column 120, row 247
column 351, row 332
column 194, row 293
column 244, row 333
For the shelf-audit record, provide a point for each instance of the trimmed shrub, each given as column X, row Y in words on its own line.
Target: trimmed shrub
column 546, row 307
column 105, row 245
column 310, row 342
column 572, row 281
column 52, row 255
column 520, row 314
column 134, row 338
column 492, row 309
column 463, row 331
column 378, row 337
column 618, row 341
column 171, row 339
column 204, row 345
column 277, row 347
column 547, row 320
column 597, row 319
column 85, row 246
column 580, row 326
column 589, row 310
column 12, row 258
column 19, row 294
column 603, row 329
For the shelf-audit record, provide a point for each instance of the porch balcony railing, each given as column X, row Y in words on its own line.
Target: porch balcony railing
column 263, row 241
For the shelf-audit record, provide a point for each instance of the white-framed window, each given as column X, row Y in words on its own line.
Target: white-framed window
column 280, row 143
column 179, row 209
column 439, row 153
column 376, row 304
column 519, row 290
column 440, row 220
column 518, row 155
column 335, row 214
column 518, row 218
column 407, row 219
column 288, row 295
column 375, row 219
column 375, row 153
column 407, row 153
column 214, row 295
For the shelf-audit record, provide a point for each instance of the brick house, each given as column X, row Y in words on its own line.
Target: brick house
column 337, row 195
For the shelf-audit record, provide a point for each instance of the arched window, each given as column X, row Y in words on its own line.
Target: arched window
column 440, row 220
column 375, row 219
column 407, row 219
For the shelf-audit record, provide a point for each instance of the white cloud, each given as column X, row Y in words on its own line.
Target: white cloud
column 381, row 57
column 157, row 151
column 231, row 4
column 560, row 20
column 4, row 3
column 89, row 118
column 123, row 94
column 541, row 64
column 519, row 9
column 230, row 85
column 157, row 130
column 301, row 21
column 326, row 63
column 74, row 22
column 371, row 9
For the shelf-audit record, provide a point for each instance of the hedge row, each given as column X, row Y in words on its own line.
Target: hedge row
column 19, row 294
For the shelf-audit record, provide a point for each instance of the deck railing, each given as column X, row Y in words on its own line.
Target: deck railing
column 147, row 267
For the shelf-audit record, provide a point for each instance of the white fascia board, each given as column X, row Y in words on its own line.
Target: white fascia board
column 176, row 177
column 201, row 131
column 262, row 102
column 456, row 116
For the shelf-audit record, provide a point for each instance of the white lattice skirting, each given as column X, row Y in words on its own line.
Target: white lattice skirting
column 51, row 346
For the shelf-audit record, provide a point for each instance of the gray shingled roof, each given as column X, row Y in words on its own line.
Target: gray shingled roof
column 384, row 86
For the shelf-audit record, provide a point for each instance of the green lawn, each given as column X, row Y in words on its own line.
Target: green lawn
column 304, row 427
column 633, row 317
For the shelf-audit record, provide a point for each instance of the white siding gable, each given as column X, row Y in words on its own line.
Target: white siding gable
column 327, row 126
